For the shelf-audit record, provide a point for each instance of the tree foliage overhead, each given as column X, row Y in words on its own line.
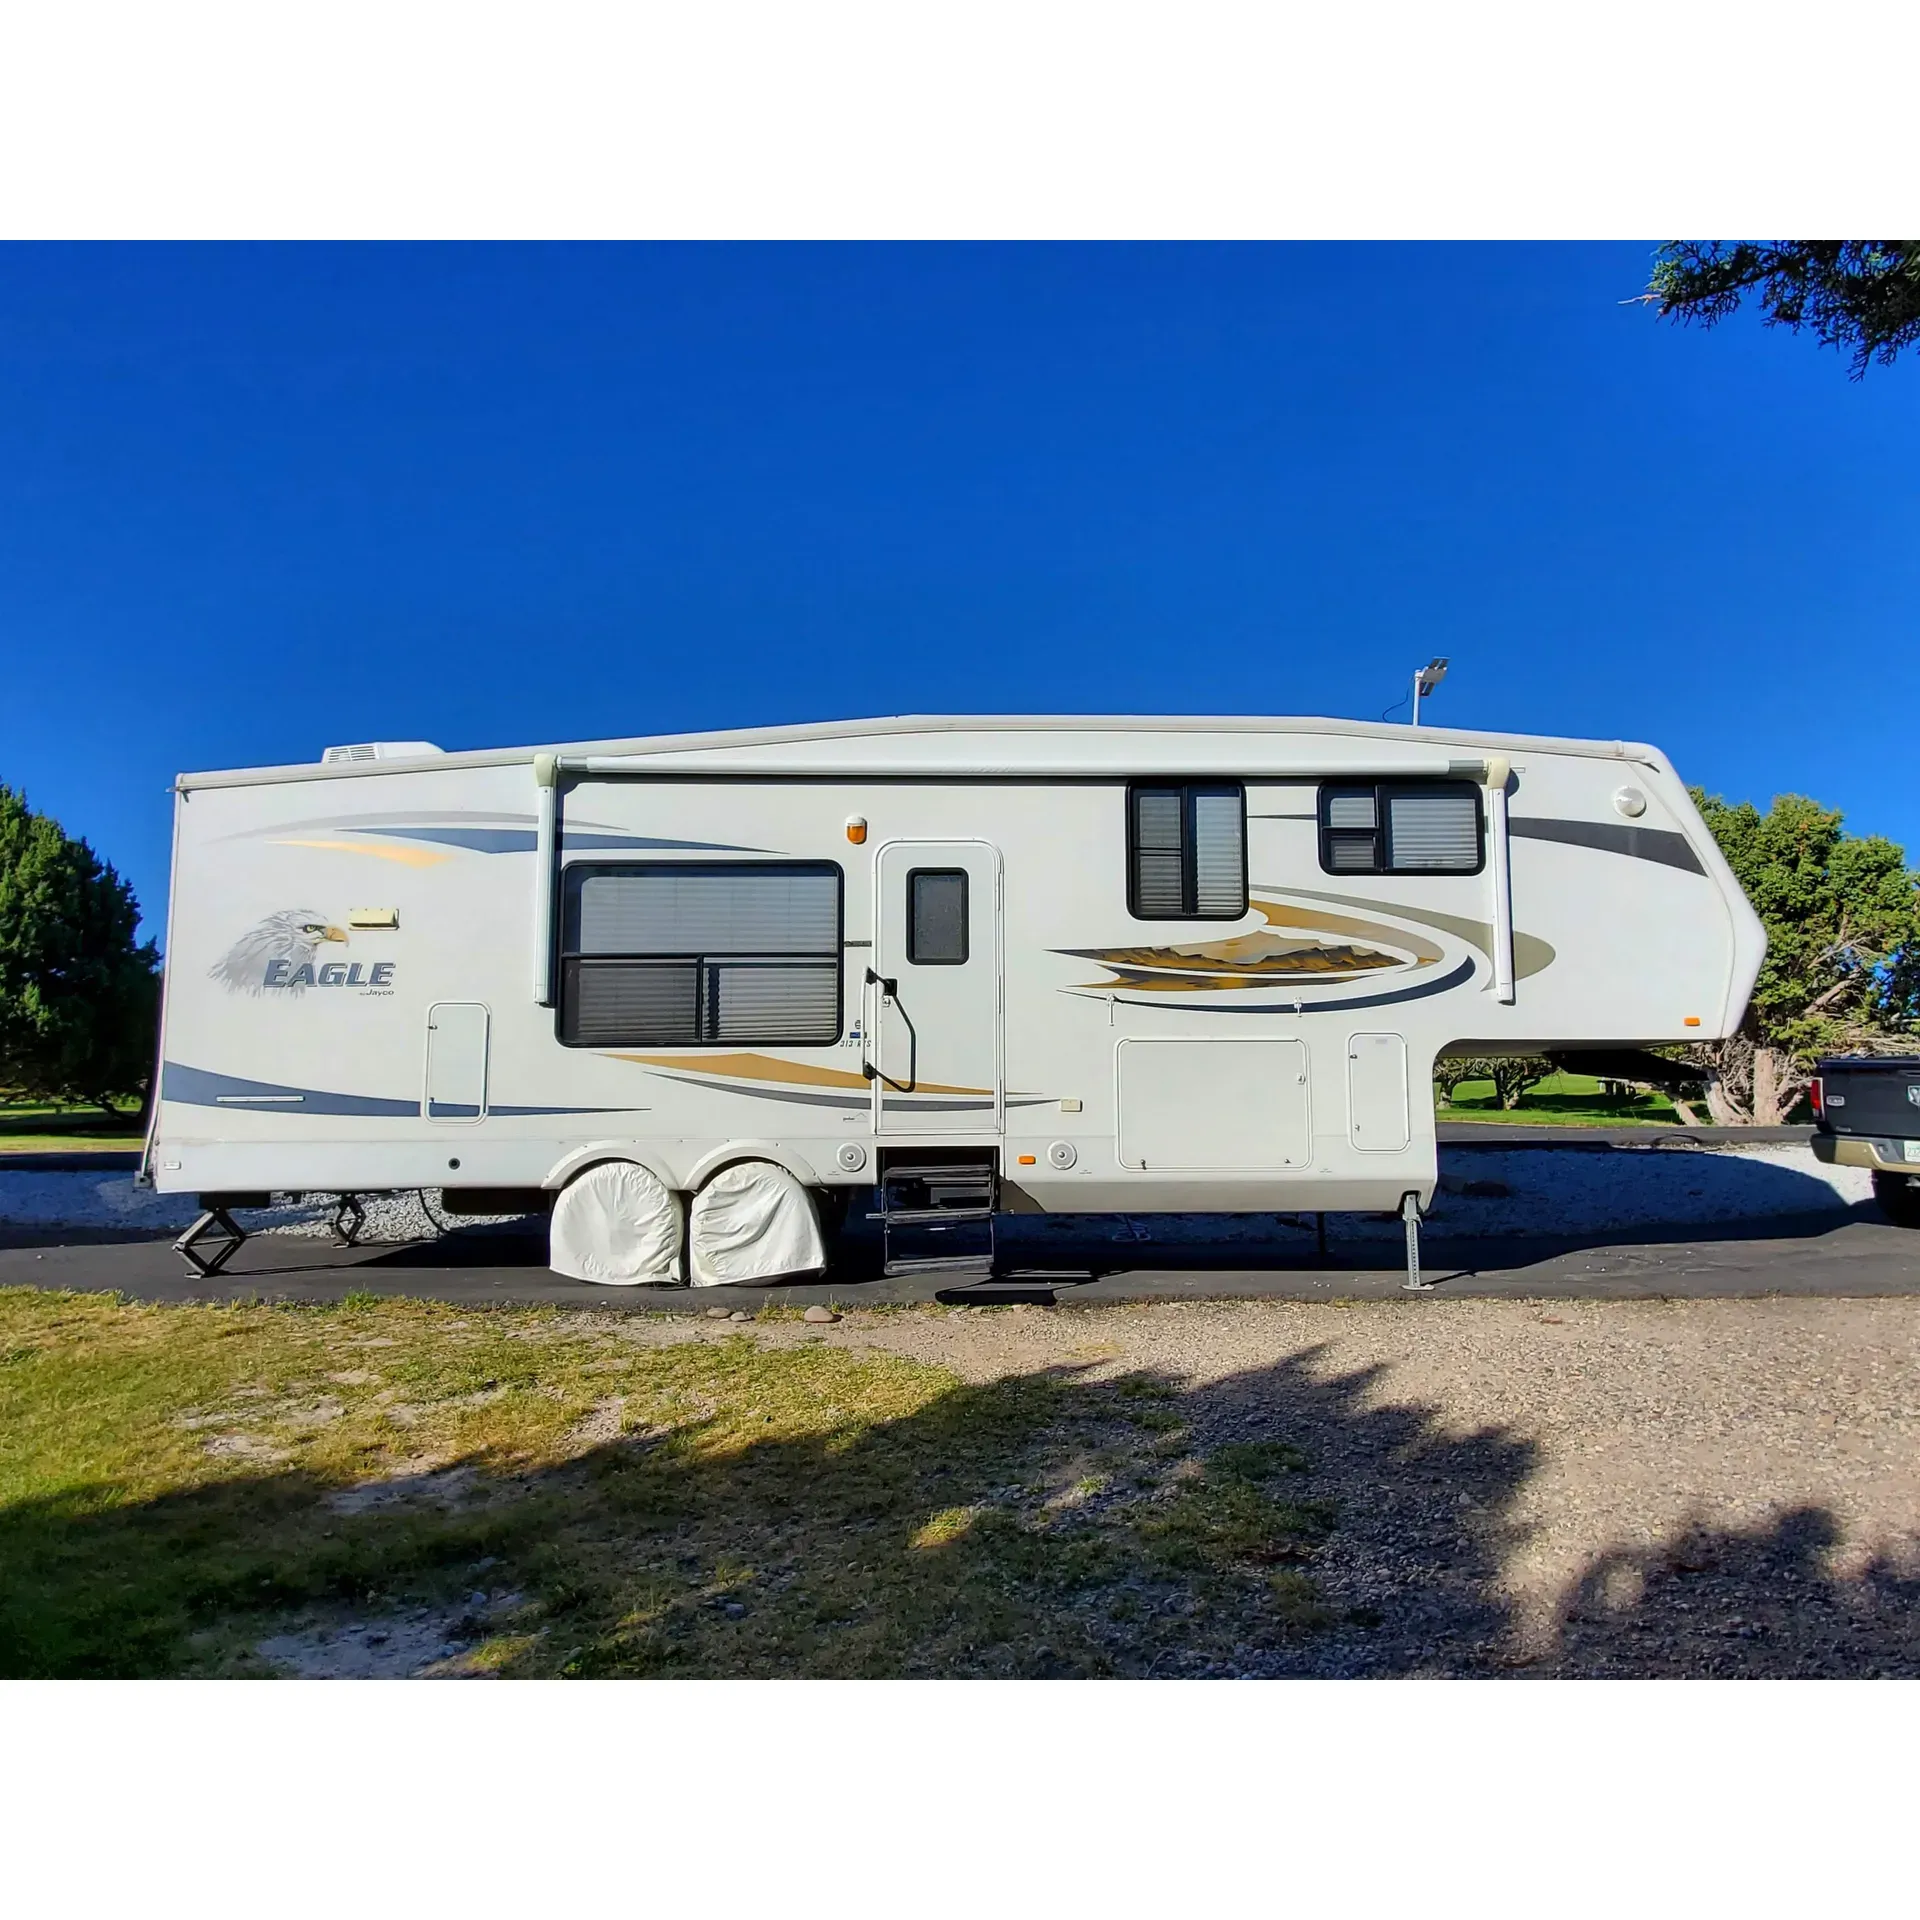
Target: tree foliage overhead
column 1862, row 296
column 79, row 993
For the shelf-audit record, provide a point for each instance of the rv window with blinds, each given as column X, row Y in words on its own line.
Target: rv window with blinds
column 1401, row 826
column 673, row 954
column 1187, row 852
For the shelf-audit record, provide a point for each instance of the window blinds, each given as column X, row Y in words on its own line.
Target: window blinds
column 678, row 954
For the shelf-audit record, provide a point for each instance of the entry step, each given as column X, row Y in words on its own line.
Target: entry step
column 937, row 1217
column 919, row 1216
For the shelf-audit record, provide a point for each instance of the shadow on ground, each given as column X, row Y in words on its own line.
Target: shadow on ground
column 1551, row 1200
column 1048, row 1525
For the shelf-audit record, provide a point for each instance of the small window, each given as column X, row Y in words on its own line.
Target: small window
column 673, row 954
column 1187, row 852
column 1401, row 826
column 937, row 917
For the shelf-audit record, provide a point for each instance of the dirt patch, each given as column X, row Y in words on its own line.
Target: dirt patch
column 424, row 1483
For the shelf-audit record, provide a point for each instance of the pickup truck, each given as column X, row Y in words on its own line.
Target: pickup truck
column 1866, row 1113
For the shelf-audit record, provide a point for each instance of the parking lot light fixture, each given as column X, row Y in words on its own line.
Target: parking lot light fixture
column 1425, row 681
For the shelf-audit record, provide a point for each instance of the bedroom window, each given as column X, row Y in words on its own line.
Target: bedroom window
column 1187, row 851
column 678, row 954
column 1401, row 826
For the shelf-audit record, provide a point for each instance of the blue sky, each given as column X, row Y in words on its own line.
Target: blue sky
column 254, row 500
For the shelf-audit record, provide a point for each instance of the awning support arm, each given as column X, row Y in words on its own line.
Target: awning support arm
column 1499, row 773
column 546, row 845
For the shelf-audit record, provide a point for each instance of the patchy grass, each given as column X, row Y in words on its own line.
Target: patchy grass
column 547, row 1494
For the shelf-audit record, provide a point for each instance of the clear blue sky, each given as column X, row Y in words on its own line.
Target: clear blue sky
column 254, row 500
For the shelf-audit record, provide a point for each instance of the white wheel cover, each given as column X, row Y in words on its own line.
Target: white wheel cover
column 753, row 1222
column 617, row 1224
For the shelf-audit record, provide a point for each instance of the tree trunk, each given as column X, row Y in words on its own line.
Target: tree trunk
column 1720, row 1104
column 1766, row 1086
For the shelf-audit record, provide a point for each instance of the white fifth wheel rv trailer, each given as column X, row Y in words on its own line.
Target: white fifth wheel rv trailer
column 689, row 991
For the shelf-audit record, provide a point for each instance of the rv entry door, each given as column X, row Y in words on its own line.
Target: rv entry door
column 932, row 1001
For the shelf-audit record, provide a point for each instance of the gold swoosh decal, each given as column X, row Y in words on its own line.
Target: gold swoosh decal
column 406, row 856
column 1531, row 954
column 1286, row 914
column 1272, row 955
column 763, row 1066
column 1140, row 981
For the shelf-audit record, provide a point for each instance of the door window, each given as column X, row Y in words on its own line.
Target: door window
column 937, row 917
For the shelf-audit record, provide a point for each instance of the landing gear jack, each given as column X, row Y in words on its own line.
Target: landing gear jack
column 222, row 1235
column 1410, row 1215
column 348, row 1218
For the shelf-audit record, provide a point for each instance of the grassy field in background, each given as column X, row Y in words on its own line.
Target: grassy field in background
column 179, row 1485
column 29, row 1126
column 1561, row 1099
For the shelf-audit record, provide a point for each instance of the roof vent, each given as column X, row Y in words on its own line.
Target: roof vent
column 378, row 750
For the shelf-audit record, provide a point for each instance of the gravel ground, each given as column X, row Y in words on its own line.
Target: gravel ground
column 1675, row 1488
column 112, row 1200
column 1484, row 1192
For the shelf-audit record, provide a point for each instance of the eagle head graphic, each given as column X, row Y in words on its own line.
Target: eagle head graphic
column 291, row 936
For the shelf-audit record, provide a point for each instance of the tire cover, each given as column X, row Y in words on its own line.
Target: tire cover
column 753, row 1222
column 617, row 1224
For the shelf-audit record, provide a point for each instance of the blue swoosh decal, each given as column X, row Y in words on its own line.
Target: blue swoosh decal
column 521, row 840
column 196, row 1087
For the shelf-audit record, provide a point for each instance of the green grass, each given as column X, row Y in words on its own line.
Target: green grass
column 1561, row 1099
column 64, row 1142
column 29, row 1126
column 178, row 1484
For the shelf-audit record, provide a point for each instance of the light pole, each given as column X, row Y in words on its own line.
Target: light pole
column 1425, row 681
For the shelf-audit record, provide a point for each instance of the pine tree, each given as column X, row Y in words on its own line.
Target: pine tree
column 79, row 993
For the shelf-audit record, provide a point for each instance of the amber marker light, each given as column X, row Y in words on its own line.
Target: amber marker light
column 1028, row 1160
column 857, row 830
column 1692, row 1020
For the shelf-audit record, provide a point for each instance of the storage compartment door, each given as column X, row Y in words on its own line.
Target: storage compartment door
column 1377, row 1092
column 1213, row 1106
column 456, row 1061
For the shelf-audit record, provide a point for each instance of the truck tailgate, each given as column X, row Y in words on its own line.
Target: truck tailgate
column 1880, row 1096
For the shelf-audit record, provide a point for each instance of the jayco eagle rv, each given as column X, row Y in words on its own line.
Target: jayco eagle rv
column 688, row 991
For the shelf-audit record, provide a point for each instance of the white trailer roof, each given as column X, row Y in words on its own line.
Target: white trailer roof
column 924, row 746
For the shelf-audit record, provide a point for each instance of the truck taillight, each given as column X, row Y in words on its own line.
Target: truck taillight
column 1818, row 1095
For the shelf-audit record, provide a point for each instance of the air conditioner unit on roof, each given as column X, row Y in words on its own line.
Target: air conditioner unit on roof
column 379, row 750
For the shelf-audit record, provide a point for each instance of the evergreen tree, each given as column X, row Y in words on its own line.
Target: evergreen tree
column 1862, row 296
column 1842, row 914
column 79, row 993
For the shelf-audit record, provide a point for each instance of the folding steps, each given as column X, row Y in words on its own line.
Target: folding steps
column 936, row 1218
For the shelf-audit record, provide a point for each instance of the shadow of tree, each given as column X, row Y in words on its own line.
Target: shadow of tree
column 1738, row 1603
column 1059, row 1523
column 1056, row 1522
